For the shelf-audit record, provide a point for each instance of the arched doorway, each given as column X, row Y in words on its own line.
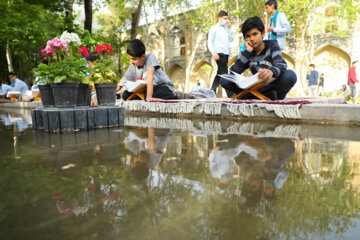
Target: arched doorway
column 201, row 74
column 334, row 63
column 177, row 75
column 290, row 61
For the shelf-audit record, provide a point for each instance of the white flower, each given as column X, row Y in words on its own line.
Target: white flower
column 70, row 38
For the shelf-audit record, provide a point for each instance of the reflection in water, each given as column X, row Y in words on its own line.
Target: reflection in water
column 20, row 119
column 157, row 183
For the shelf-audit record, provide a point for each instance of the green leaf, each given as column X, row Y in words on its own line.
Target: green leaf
column 59, row 79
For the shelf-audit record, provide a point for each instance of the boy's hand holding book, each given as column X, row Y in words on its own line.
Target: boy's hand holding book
column 265, row 75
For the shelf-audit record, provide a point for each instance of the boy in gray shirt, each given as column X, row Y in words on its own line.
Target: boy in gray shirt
column 147, row 67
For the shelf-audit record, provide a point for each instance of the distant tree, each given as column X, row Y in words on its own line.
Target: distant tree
column 88, row 15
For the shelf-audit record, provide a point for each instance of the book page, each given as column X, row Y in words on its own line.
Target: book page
column 241, row 81
column 13, row 93
column 134, row 86
column 249, row 82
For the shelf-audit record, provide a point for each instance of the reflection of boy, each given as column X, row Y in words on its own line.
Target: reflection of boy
column 147, row 145
column 263, row 57
column 147, row 67
column 221, row 159
column 264, row 175
column 91, row 60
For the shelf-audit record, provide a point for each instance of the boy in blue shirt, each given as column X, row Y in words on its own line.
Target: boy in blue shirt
column 312, row 79
column 263, row 57
column 278, row 24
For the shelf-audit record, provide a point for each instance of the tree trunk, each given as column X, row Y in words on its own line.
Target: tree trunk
column 190, row 62
column 9, row 58
column 135, row 20
column 88, row 15
column 163, row 55
column 69, row 18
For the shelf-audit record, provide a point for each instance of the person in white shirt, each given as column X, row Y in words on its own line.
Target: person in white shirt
column 220, row 36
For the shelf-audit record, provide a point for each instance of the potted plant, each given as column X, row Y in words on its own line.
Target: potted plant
column 64, row 71
column 104, row 77
column 73, row 40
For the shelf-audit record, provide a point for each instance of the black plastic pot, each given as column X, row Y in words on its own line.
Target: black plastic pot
column 88, row 96
column 82, row 94
column 65, row 94
column 106, row 93
column 46, row 95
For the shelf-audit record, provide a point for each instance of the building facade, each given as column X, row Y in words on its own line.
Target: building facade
column 182, row 50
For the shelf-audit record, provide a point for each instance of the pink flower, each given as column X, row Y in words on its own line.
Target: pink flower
column 84, row 51
column 50, row 52
column 47, row 52
column 57, row 45
column 100, row 48
column 104, row 48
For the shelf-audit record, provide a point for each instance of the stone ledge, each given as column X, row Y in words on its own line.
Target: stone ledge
column 343, row 114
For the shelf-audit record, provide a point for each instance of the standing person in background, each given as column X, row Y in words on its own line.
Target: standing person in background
column 312, row 79
column 278, row 24
column 220, row 36
column 352, row 81
column 320, row 85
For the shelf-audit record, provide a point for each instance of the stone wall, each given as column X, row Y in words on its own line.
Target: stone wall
column 332, row 54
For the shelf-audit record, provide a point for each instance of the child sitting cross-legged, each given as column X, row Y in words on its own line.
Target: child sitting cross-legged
column 147, row 67
column 263, row 57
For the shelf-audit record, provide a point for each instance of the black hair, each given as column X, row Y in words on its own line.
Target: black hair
column 136, row 48
column 222, row 14
column 252, row 22
column 45, row 61
column 312, row 65
column 92, row 57
column 354, row 62
column 11, row 74
column 271, row 2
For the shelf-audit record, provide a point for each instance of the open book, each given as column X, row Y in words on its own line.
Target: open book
column 241, row 81
column 133, row 86
column 12, row 94
column 32, row 94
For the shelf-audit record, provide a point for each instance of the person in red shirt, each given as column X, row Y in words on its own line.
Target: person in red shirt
column 352, row 81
